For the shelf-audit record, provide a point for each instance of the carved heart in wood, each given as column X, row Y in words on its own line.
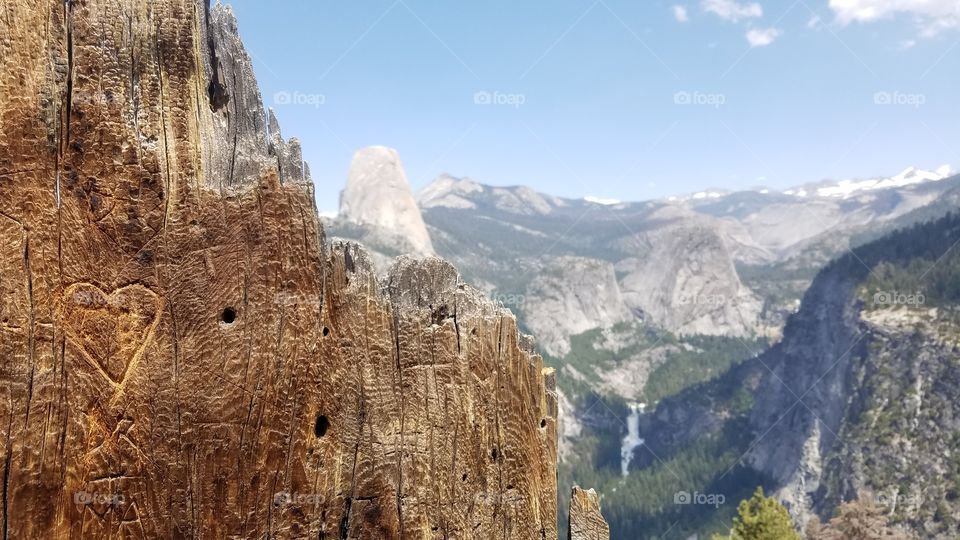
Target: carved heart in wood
column 111, row 330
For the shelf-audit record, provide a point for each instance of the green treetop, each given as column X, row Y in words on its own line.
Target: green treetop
column 761, row 518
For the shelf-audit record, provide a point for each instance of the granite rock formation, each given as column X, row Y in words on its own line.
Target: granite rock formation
column 686, row 282
column 378, row 196
column 569, row 296
column 182, row 354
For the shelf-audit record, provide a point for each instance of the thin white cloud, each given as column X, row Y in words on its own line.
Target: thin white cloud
column 814, row 22
column 907, row 44
column 761, row 37
column 933, row 16
column 680, row 14
column 731, row 10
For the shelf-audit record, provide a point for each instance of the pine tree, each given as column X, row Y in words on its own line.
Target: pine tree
column 761, row 518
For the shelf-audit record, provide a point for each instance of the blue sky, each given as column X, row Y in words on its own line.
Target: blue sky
column 613, row 98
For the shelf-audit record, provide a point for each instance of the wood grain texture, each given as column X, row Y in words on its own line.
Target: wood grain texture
column 183, row 355
column 586, row 521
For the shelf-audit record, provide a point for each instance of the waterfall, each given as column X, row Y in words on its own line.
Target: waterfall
column 632, row 440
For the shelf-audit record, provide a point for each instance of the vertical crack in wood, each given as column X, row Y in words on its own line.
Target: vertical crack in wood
column 401, row 392
column 31, row 354
column 6, row 491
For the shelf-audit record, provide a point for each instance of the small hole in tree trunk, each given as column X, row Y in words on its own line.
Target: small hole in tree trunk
column 321, row 426
column 543, row 423
column 229, row 315
column 326, row 331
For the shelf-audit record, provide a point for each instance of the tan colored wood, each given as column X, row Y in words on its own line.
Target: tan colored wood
column 586, row 522
column 182, row 354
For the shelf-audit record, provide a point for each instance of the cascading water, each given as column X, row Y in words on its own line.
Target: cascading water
column 632, row 440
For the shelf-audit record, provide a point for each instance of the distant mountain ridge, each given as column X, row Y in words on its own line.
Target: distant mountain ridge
column 668, row 266
column 832, row 188
column 677, row 264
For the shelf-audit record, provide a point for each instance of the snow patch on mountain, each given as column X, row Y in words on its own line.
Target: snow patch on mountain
column 601, row 200
column 910, row 176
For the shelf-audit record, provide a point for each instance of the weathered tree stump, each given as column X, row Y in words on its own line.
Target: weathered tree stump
column 181, row 352
column 586, row 522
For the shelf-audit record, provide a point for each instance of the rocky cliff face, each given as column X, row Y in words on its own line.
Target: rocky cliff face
column 858, row 400
column 685, row 281
column 898, row 445
column 569, row 296
column 861, row 399
column 184, row 355
column 801, row 401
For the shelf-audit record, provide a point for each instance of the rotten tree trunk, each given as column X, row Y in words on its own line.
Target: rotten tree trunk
column 181, row 352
